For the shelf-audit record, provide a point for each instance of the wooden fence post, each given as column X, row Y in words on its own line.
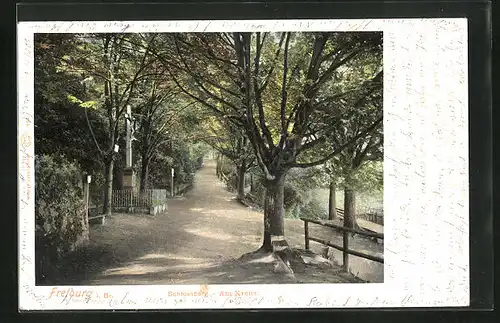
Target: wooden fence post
column 130, row 198
column 306, row 234
column 172, row 181
column 346, row 247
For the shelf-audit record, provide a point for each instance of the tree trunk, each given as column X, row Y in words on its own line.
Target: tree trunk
column 350, row 208
column 85, row 217
column 217, row 165
column 144, row 175
column 241, row 181
column 332, row 203
column 108, row 186
column 252, row 184
column 274, row 210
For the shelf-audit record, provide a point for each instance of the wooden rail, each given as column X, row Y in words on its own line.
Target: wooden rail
column 94, row 212
column 345, row 239
column 339, row 227
column 371, row 217
column 101, row 216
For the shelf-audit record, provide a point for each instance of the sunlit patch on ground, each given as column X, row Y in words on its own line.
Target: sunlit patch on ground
column 135, row 269
column 212, row 235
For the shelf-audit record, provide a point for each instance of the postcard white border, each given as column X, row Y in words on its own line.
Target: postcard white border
column 425, row 175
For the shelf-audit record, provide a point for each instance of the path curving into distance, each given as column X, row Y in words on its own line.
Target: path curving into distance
column 196, row 242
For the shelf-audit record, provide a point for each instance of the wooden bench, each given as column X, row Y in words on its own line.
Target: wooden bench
column 96, row 216
column 364, row 224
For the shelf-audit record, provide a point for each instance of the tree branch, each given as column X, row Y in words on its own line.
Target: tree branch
column 283, row 86
column 341, row 148
column 258, row 94
column 273, row 64
column 101, row 154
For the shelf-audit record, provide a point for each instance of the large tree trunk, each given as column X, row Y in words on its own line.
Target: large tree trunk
column 108, row 186
column 241, row 180
column 274, row 210
column 332, row 203
column 350, row 208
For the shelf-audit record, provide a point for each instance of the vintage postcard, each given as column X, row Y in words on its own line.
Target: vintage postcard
column 243, row 164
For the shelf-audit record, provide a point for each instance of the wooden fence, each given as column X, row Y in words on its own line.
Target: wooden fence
column 133, row 198
column 345, row 239
column 372, row 217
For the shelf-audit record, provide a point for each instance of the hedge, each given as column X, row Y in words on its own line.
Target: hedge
column 61, row 224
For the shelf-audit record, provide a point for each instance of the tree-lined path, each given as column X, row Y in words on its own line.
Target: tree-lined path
column 119, row 114
column 198, row 241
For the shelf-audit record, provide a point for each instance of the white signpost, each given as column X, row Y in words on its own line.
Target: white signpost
column 172, row 183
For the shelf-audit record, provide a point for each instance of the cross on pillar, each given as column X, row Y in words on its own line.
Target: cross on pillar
column 128, row 152
column 128, row 172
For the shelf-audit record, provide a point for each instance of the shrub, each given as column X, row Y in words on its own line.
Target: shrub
column 59, row 207
column 298, row 194
column 314, row 210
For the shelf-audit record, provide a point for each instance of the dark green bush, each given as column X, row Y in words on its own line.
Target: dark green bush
column 313, row 210
column 59, row 207
column 298, row 199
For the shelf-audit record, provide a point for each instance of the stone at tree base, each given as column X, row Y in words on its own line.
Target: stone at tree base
column 313, row 259
column 279, row 244
column 282, row 267
column 289, row 257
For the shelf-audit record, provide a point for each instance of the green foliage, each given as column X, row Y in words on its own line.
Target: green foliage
column 59, row 205
column 313, row 210
column 185, row 165
column 157, row 202
column 302, row 105
column 306, row 191
column 60, row 122
column 87, row 104
column 298, row 193
column 198, row 150
column 368, row 201
column 369, row 177
column 185, row 158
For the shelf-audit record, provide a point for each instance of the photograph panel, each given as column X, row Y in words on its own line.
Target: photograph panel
column 228, row 140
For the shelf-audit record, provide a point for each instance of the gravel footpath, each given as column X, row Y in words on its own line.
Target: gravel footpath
column 199, row 240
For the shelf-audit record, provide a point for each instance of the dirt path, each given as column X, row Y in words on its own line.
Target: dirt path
column 196, row 242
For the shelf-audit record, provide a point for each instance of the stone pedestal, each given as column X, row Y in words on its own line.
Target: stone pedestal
column 128, row 178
